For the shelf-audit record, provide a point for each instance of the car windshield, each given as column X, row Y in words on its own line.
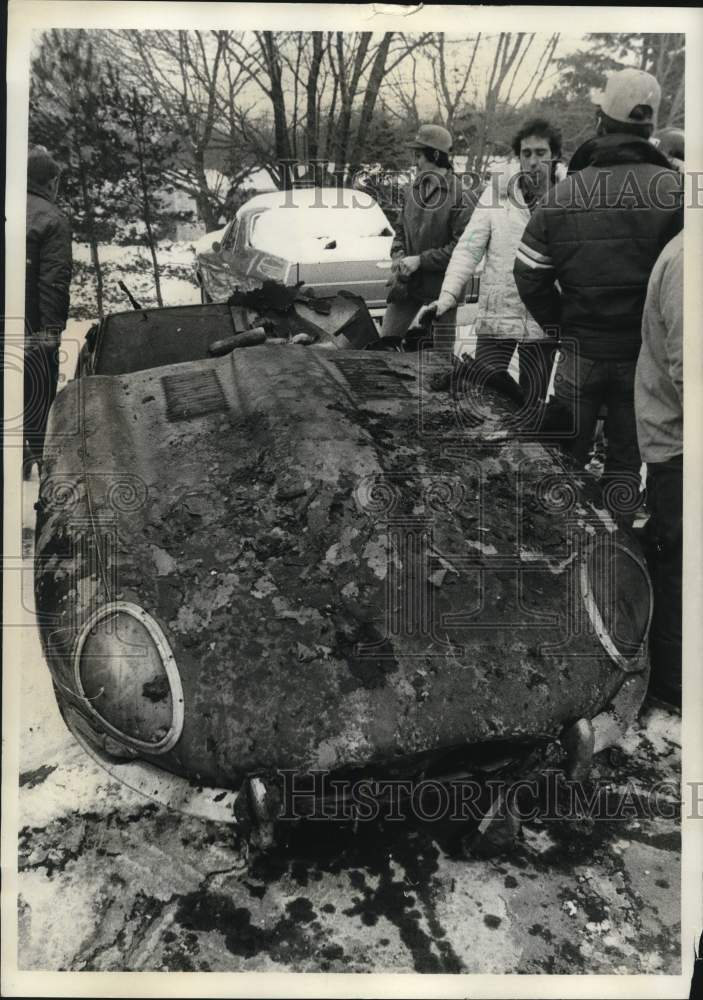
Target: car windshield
column 294, row 225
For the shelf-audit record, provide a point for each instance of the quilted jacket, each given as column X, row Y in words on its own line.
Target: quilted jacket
column 493, row 235
column 598, row 233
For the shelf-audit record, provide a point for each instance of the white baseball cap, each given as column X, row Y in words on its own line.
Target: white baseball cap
column 624, row 91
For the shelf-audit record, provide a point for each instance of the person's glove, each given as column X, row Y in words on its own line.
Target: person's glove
column 444, row 303
column 408, row 265
column 397, row 288
column 426, row 313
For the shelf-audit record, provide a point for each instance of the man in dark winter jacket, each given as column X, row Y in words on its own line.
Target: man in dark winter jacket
column 48, row 276
column 435, row 212
column 583, row 265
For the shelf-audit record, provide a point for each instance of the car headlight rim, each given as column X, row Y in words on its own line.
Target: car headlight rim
column 168, row 662
column 637, row 661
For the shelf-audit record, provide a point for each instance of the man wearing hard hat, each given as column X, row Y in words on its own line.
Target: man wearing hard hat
column 435, row 212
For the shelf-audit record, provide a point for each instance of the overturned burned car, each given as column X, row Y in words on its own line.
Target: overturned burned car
column 305, row 559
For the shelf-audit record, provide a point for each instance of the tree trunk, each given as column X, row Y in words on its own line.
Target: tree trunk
column 280, row 124
column 348, row 89
column 490, row 106
column 367, row 108
column 152, row 250
column 311, row 120
column 202, row 197
column 329, row 136
column 341, row 143
column 519, row 64
column 92, row 237
column 146, row 214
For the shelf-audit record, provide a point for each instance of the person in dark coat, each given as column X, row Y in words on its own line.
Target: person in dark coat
column 583, row 265
column 435, row 212
column 48, row 276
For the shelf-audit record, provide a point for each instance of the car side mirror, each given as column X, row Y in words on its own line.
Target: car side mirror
column 216, row 246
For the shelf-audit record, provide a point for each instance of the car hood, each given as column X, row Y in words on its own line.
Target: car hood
column 333, row 551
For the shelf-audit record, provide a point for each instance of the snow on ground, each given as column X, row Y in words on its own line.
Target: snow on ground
column 132, row 264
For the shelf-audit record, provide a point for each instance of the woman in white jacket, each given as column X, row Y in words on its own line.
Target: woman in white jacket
column 493, row 233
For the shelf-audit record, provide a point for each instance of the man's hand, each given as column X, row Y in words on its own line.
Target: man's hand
column 438, row 308
column 408, row 266
column 49, row 338
column 444, row 303
column 427, row 313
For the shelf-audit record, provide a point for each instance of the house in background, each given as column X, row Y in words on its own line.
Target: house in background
column 178, row 202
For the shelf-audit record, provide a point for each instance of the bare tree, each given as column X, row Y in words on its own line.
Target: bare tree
column 543, row 64
column 379, row 67
column 312, row 115
column 463, row 100
column 349, row 66
column 449, row 99
column 400, row 98
column 284, row 66
column 518, row 66
column 506, row 52
column 183, row 71
column 372, row 86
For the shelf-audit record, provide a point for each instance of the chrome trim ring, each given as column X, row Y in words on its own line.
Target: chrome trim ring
column 169, row 663
column 629, row 665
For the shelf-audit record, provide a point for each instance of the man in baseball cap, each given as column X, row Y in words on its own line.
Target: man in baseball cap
column 583, row 266
column 631, row 96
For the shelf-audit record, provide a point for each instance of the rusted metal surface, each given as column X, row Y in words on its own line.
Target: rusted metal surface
column 348, row 567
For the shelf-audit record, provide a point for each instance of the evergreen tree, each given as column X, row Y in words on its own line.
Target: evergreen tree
column 68, row 116
column 146, row 149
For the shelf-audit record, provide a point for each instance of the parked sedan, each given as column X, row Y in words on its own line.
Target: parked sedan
column 328, row 238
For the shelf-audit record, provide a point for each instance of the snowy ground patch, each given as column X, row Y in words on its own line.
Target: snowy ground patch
column 132, row 264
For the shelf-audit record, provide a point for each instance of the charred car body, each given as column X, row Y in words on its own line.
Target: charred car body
column 308, row 559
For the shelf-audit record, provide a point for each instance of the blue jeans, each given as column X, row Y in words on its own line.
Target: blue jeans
column 583, row 386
